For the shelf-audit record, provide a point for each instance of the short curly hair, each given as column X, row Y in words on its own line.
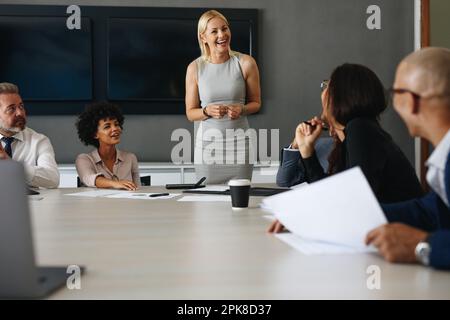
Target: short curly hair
column 87, row 122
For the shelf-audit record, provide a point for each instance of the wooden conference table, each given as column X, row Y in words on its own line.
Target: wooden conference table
column 165, row 249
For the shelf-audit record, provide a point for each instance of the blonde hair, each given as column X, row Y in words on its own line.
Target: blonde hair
column 8, row 88
column 201, row 28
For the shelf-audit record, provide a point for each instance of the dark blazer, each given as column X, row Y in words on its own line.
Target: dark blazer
column 431, row 214
column 368, row 146
column 291, row 170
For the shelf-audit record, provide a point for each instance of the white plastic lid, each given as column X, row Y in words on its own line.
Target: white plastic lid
column 239, row 182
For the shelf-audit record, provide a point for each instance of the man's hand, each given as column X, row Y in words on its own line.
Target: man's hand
column 3, row 154
column 396, row 242
column 276, row 227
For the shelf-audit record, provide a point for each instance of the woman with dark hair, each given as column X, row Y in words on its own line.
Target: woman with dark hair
column 100, row 125
column 352, row 101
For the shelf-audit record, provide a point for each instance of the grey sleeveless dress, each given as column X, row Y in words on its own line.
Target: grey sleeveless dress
column 222, row 150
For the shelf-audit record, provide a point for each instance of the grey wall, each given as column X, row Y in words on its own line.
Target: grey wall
column 300, row 42
column 440, row 23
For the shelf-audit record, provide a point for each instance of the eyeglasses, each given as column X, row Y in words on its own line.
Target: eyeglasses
column 393, row 91
column 12, row 109
column 324, row 84
column 416, row 96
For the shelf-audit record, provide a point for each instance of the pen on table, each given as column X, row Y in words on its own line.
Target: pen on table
column 158, row 195
column 310, row 124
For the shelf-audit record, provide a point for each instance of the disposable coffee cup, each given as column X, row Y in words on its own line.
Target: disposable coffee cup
column 240, row 193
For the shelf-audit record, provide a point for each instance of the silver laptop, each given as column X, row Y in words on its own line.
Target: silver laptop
column 19, row 275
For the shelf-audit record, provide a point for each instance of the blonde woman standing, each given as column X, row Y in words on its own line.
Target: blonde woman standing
column 222, row 89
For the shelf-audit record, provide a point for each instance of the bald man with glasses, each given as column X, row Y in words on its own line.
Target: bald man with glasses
column 419, row 229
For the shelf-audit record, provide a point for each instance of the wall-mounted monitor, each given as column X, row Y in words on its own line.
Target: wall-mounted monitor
column 46, row 59
column 148, row 57
column 134, row 56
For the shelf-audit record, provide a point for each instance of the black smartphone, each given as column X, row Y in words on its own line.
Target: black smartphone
column 186, row 185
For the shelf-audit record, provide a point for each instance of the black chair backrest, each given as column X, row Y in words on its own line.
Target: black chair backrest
column 146, row 181
column 79, row 183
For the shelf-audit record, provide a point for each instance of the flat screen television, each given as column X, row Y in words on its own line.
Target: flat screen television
column 134, row 56
column 46, row 59
column 148, row 58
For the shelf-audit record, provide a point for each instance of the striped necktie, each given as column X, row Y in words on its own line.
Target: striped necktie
column 8, row 141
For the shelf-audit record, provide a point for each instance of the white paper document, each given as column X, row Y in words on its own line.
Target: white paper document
column 141, row 196
column 121, row 194
column 97, row 193
column 206, row 198
column 340, row 210
column 300, row 185
column 216, row 187
column 310, row 247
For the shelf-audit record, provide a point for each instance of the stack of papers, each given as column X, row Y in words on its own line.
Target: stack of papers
column 309, row 247
column 142, row 196
column 337, row 211
column 120, row 194
column 97, row 193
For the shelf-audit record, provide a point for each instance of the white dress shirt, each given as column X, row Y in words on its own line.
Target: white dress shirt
column 36, row 153
column 436, row 167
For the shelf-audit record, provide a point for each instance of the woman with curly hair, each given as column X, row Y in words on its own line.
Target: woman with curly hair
column 100, row 125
